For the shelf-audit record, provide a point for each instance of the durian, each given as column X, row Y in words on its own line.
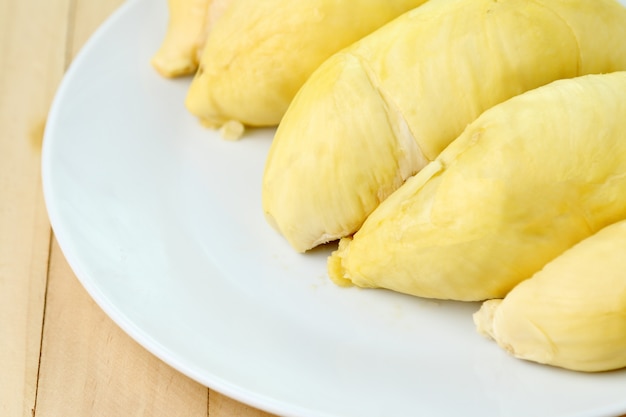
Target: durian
column 260, row 52
column 190, row 22
column 572, row 313
column 377, row 112
column 527, row 180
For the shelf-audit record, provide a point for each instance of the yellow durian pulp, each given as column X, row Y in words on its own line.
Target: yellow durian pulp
column 572, row 313
column 378, row 111
column 177, row 54
column 214, row 12
column 524, row 182
column 260, row 53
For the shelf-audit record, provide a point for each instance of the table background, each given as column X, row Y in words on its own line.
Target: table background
column 60, row 355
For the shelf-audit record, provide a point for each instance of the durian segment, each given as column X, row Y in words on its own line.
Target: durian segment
column 260, row 53
column 389, row 159
column 524, row 182
column 572, row 313
column 433, row 70
column 189, row 24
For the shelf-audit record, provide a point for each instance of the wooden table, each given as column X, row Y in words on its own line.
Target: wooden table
column 60, row 355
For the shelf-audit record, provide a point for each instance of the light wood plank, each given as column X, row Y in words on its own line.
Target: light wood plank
column 87, row 16
column 222, row 406
column 90, row 367
column 32, row 41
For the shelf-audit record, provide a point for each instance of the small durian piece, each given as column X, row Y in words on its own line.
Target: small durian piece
column 260, row 53
column 232, row 130
column 189, row 23
column 572, row 313
column 524, row 182
column 375, row 113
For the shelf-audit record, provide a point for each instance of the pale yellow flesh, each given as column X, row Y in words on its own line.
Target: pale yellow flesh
column 524, row 182
column 388, row 160
column 260, row 53
column 430, row 72
column 571, row 314
column 190, row 21
column 214, row 12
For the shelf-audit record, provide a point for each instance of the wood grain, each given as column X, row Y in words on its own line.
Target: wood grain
column 32, row 40
column 222, row 406
column 86, row 17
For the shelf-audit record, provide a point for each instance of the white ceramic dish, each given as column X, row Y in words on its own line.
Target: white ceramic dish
column 161, row 221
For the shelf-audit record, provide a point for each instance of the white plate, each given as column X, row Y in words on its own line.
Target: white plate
column 161, row 221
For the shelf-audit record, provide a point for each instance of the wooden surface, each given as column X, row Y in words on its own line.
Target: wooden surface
column 60, row 356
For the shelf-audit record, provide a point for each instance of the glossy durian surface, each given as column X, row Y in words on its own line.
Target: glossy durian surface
column 377, row 112
column 523, row 183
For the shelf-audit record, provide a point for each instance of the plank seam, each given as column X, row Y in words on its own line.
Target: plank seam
column 43, row 322
column 69, row 36
column 71, row 14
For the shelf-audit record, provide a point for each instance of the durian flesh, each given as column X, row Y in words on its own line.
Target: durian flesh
column 375, row 113
column 572, row 313
column 259, row 53
column 524, row 182
column 189, row 22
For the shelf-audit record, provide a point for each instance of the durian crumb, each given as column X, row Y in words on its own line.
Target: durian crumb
column 483, row 318
column 232, row 130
